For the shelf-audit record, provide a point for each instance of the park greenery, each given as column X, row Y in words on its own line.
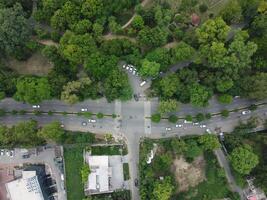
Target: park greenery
column 222, row 61
column 158, row 178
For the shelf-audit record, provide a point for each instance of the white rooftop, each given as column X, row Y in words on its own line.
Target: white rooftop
column 25, row 188
column 98, row 178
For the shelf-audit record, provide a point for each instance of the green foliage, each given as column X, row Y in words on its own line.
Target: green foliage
column 163, row 189
column 225, row 99
column 2, row 112
column 52, row 131
column 168, row 106
column 100, row 115
column 126, row 173
column 85, row 171
column 208, row 116
column 199, row 95
column 225, row 113
column 173, row 118
column 179, row 146
column 243, row 159
column 193, row 150
column 253, row 107
column 106, row 150
column 138, row 22
column 200, row 117
column 203, row 8
column 32, row 90
column 232, row 12
column 182, row 52
column 14, row 31
column 156, row 117
column 189, row 118
column 149, row 68
column 209, row 142
column 169, row 85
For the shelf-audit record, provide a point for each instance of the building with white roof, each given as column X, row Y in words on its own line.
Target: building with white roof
column 25, row 188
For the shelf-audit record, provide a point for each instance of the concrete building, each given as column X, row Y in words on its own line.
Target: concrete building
column 25, row 188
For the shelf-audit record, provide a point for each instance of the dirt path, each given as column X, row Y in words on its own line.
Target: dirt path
column 170, row 45
column 48, row 42
column 112, row 37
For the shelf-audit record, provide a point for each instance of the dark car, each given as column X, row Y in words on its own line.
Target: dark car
column 25, row 156
column 136, row 182
column 136, row 98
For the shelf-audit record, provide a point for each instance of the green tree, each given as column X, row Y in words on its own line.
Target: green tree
column 92, row 8
column 213, row 30
column 99, row 115
column 138, row 22
column 203, row 8
column 232, row 12
column 225, row 99
column 167, row 106
column 255, row 86
column 200, row 117
column 225, row 113
column 193, row 150
column 14, row 31
column 222, row 85
column 52, row 131
column 182, row 52
column 169, row 85
column 243, row 159
column 156, row 117
column 161, row 56
column 32, row 90
column 173, row 118
column 149, row 68
column 178, row 146
column 199, row 95
column 163, row 189
column 82, row 27
column 209, row 142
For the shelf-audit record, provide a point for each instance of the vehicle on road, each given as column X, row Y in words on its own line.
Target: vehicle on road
column 134, row 72
column 203, row 126
column 143, row 83
column 179, row 125
column 221, row 136
column 11, row 153
column 84, row 109
column 130, row 69
column 35, row 106
column 124, row 66
column 91, row 120
column 245, row 112
column 208, row 130
column 2, row 152
column 127, row 67
column 136, row 98
column 84, row 123
column 195, row 123
column 25, row 156
column 168, row 129
column 187, row 122
column 7, row 153
column 62, row 125
column 136, row 182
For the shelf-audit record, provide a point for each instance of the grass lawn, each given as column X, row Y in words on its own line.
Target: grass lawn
column 126, row 173
column 73, row 162
column 107, row 150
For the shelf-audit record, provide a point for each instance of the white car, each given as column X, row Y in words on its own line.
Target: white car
column 168, row 129
column 127, row 67
column 11, row 153
column 91, row 120
column 62, row 125
column 208, row 130
column 187, row 122
column 203, row 126
column 7, row 153
column 124, row 66
column 195, row 123
column 84, row 123
column 84, row 109
column 2, row 152
column 179, row 125
column 130, row 69
column 35, row 106
column 143, row 83
column 134, row 72
column 245, row 112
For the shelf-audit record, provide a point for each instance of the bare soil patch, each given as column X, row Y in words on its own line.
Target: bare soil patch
column 188, row 174
column 48, row 43
column 37, row 64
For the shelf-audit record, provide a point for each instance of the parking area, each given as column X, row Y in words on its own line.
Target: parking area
column 117, row 180
column 50, row 156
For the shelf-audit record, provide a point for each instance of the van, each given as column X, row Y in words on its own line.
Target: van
column 143, row 83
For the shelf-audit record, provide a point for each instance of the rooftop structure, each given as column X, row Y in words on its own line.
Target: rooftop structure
column 25, row 188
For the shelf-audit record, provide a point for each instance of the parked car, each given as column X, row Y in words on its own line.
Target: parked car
column 62, row 125
column 91, row 120
column 195, row 123
column 136, row 182
column 245, row 112
column 127, row 67
column 25, row 156
column 35, row 106
column 179, row 125
column 208, row 130
column 2, row 152
column 7, row 153
column 130, row 69
column 124, row 66
column 143, row 83
column 134, row 72
column 203, row 126
column 84, row 123
column 136, row 98
column 168, row 129
column 12, row 153
column 84, row 109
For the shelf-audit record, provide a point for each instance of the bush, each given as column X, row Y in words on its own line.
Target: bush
column 114, row 116
column 225, row 99
column 200, row 117
column 173, row 118
column 189, row 118
column 50, row 113
column 14, row 112
column 22, row 112
column 100, row 115
column 203, row 8
column 2, row 95
column 55, row 36
column 225, row 113
column 37, row 112
column 208, row 116
column 252, row 107
column 156, row 118
column 87, row 114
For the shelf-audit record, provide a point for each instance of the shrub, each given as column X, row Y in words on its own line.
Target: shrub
column 252, row 107
column 173, row 118
column 203, row 8
column 225, row 99
column 114, row 116
column 87, row 114
column 14, row 112
column 200, row 117
column 37, row 112
column 100, row 115
column 225, row 113
column 22, row 112
column 189, row 118
column 2, row 112
column 208, row 116
column 50, row 113
column 156, row 118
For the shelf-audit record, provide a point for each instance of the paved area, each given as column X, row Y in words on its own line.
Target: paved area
column 117, row 180
column 6, row 175
column 44, row 157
